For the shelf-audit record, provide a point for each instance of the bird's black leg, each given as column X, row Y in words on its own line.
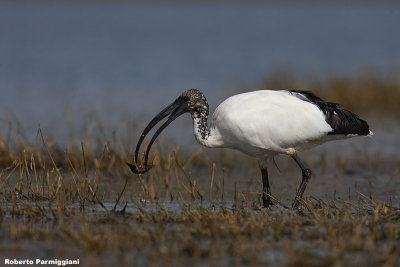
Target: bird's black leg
column 266, row 196
column 306, row 175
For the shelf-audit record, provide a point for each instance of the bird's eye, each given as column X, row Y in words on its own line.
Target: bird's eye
column 186, row 98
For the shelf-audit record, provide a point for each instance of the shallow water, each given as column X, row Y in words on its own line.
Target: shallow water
column 342, row 174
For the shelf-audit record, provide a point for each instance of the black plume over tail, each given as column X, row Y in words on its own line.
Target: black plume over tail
column 341, row 120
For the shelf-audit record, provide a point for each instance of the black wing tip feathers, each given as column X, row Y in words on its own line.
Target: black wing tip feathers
column 341, row 120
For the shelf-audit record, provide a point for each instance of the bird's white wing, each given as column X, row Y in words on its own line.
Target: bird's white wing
column 269, row 120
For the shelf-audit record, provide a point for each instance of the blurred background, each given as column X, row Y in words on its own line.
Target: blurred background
column 67, row 64
column 93, row 73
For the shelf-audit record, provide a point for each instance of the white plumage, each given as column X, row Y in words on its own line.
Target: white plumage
column 262, row 124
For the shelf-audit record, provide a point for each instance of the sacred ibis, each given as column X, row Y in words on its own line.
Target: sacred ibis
column 261, row 124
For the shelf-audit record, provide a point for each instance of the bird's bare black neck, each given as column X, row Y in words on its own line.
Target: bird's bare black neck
column 200, row 121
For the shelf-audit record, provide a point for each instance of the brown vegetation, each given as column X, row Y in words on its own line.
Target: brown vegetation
column 81, row 200
column 368, row 92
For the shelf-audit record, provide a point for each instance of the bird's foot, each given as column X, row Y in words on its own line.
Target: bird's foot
column 267, row 203
column 296, row 203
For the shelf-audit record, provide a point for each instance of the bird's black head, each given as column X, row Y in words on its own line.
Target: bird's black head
column 192, row 101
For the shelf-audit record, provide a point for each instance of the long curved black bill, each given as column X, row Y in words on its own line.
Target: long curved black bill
column 174, row 110
column 164, row 113
column 173, row 116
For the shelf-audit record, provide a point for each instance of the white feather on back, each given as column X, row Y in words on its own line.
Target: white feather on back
column 263, row 122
